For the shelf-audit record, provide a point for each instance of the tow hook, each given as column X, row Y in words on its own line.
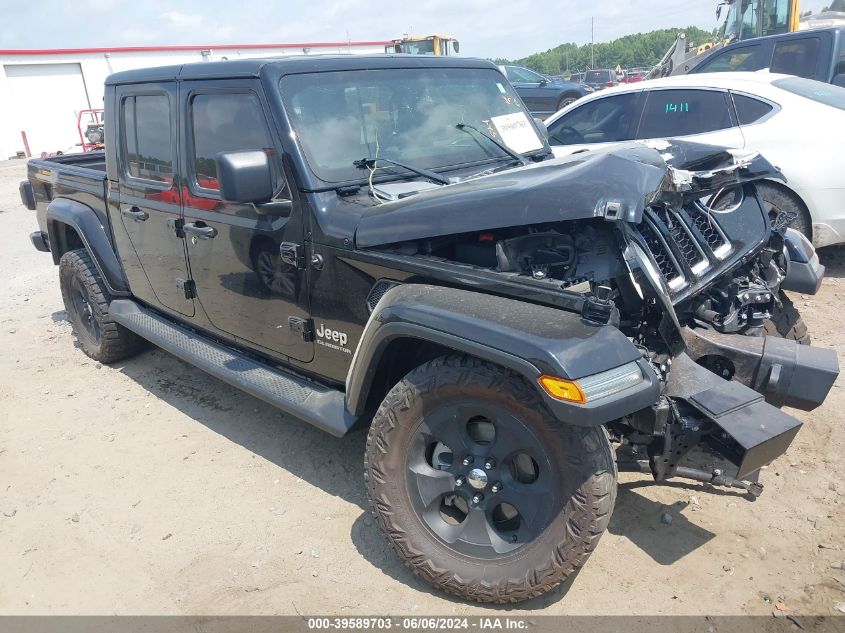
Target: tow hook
column 714, row 478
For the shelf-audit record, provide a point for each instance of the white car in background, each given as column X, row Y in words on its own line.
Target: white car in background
column 797, row 124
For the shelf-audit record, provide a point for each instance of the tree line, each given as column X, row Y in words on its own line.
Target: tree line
column 641, row 50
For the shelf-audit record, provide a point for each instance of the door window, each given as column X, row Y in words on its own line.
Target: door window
column 225, row 122
column 670, row 113
column 796, row 57
column 604, row 120
column 746, row 58
column 522, row 75
column 750, row 110
column 147, row 150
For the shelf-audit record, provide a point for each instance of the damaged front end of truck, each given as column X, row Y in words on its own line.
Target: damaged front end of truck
column 667, row 242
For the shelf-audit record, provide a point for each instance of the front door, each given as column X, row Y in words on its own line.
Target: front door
column 241, row 282
column 149, row 197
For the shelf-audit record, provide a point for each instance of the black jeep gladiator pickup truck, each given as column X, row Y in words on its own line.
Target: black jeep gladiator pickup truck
column 388, row 241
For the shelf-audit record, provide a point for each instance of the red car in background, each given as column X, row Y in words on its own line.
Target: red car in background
column 633, row 76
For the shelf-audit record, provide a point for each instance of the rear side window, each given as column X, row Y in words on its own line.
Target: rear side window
column 225, row 122
column 684, row 113
column 750, row 110
column 746, row 58
column 796, row 57
column 602, row 120
column 147, row 149
column 833, row 96
column 597, row 75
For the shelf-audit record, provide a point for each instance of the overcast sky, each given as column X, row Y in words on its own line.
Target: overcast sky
column 485, row 28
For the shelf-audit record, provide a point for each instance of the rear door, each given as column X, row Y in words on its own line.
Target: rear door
column 245, row 288
column 149, row 198
column 695, row 114
column 532, row 90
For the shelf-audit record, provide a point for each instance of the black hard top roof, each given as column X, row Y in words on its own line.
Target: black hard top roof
column 292, row 64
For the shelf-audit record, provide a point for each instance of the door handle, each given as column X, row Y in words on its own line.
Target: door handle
column 135, row 213
column 200, row 232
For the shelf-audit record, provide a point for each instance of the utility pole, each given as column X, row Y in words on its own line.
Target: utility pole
column 592, row 42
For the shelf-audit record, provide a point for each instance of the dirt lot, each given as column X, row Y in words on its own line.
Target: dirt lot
column 148, row 487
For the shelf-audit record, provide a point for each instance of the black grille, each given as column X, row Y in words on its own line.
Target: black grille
column 706, row 225
column 665, row 260
column 681, row 236
column 381, row 287
column 685, row 245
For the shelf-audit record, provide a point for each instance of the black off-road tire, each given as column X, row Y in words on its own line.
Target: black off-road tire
column 87, row 304
column 579, row 509
column 786, row 322
column 777, row 201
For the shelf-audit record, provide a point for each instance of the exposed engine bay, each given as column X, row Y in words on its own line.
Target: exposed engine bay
column 691, row 277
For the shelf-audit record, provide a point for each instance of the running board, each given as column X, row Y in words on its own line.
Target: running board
column 323, row 407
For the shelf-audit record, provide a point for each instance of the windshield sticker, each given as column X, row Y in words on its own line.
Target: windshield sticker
column 501, row 88
column 517, row 132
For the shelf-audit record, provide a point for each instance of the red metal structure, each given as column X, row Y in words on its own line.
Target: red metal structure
column 89, row 142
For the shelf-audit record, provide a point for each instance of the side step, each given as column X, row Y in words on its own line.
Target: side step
column 323, row 407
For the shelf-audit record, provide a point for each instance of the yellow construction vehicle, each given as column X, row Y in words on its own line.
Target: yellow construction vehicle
column 745, row 19
column 424, row 45
column 757, row 18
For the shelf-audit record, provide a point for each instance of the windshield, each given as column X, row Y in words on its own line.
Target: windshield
column 817, row 91
column 597, row 75
column 408, row 115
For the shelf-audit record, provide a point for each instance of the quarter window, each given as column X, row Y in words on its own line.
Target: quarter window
column 147, row 149
column 750, row 110
column 796, row 57
column 684, row 113
column 225, row 122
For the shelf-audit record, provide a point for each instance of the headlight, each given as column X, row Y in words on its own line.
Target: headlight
column 595, row 387
column 588, row 90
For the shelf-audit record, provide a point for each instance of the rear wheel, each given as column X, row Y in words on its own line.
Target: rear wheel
column 87, row 301
column 478, row 489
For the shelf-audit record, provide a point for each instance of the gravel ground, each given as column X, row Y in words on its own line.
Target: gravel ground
column 150, row 488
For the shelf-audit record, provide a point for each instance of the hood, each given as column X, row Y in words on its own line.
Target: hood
column 618, row 183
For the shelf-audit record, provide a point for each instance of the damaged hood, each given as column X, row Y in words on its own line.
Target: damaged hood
column 618, row 183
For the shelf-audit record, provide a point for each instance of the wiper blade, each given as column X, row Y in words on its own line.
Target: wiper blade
column 425, row 173
column 466, row 127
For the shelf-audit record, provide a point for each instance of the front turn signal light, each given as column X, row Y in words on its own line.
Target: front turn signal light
column 562, row 389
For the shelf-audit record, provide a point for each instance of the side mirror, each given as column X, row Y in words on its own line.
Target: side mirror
column 456, row 46
column 544, row 82
column 839, row 80
column 541, row 125
column 244, row 176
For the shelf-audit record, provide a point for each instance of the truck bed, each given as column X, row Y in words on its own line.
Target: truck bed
column 78, row 177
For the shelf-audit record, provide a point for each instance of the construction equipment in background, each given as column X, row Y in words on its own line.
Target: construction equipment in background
column 91, row 130
column 744, row 20
column 424, row 45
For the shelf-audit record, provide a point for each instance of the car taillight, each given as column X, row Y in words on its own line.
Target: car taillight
column 610, row 84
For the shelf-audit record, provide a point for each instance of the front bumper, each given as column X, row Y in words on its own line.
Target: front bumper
column 804, row 272
column 768, row 373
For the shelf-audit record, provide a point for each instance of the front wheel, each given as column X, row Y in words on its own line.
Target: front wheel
column 565, row 101
column 786, row 322
column 479, row 490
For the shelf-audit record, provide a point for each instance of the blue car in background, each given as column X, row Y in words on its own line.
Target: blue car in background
column 543, row 95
